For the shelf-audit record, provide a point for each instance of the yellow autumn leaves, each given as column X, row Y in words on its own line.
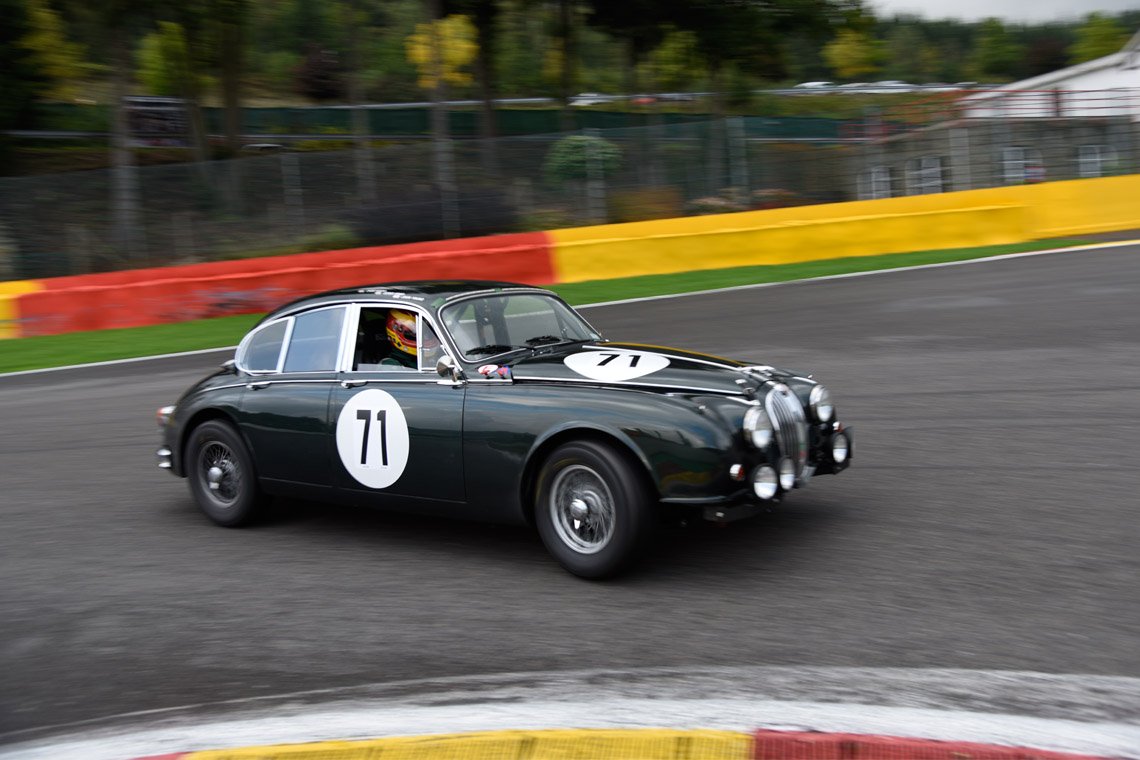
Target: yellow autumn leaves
column 441, row 49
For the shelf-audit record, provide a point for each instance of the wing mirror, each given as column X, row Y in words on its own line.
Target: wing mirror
column 448, row 370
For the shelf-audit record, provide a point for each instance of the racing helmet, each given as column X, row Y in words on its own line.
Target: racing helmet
column 401, row 328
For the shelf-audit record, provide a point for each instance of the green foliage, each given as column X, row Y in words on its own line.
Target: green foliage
column 59, row 61
column 1098, row 36
column 853, row 55
column 163, row 60
column 20, row 79
column 581, row 157
column 996, row 55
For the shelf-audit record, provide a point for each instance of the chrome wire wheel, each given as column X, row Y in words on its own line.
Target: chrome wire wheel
column 582, row 509
column 220, row 473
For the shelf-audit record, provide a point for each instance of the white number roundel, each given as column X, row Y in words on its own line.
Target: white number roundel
column 616, row 365
column 372, row 438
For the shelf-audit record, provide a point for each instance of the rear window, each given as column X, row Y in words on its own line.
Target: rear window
column 264, row 348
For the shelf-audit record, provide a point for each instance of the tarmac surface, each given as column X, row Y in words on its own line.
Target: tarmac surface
column 989, row 521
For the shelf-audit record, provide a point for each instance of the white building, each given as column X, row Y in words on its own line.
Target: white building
column 1108, row 86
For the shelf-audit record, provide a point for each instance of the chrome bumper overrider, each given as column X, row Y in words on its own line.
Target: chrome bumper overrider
column 164, row 458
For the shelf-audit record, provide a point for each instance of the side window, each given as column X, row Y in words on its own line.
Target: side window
column 429, row 350
column 315, row 342
column 264, row 348
column 385, row 340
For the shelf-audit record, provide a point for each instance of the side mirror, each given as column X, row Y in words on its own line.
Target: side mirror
column 448, row 370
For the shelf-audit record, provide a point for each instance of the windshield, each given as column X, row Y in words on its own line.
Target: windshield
column 491, row 325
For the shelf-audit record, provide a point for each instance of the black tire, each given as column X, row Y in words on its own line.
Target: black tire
column 216, row 456
column 613, row 503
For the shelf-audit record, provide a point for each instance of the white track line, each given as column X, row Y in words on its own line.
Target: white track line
column 1002, row 257
column 650, row 298
column 1068, row 713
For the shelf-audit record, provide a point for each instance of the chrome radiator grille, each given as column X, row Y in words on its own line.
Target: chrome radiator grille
column 787, row 415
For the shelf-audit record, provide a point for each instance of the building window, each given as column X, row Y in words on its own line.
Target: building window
column 924, row 175
column 875, row 183
column 1021, row 165
column 1094, row 160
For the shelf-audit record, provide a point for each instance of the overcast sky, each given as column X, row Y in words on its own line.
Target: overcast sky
column 1008, row 10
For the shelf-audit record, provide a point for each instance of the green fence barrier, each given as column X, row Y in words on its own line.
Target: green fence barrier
column 462, row 123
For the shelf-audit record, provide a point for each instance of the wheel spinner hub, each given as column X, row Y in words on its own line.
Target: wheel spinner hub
column 582, row 509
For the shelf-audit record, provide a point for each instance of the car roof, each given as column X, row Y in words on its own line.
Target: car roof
column 428, row 293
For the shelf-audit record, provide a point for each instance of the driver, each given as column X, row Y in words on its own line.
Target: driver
column 401, row 329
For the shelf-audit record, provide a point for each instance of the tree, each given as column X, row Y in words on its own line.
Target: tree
column 163, row 60
column 1097, row 37
column 676, row 61
column 58, row 60
column 20, row 79
column 320, row 75
column 996, row 55
column 907, row 54
column 637, row 24
column 853, row 55
column 441, row 49
column 231, row 16
column 1045, row 54
column 485, row 16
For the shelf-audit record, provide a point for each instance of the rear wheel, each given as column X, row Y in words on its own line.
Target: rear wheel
column 593, row 511
column 221, row 475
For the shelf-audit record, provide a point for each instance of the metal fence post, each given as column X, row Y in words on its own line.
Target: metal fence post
column 595, row 179
column 960, row 178
column 448, row 189
column 737, row 155
column 294, row 199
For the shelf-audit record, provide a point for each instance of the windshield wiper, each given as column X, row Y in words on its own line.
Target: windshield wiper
column 493, row 348
column 552, row 340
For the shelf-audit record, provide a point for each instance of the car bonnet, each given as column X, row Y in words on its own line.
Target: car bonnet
column 632, row 364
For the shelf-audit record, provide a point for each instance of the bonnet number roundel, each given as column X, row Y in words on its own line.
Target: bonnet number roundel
column 615, row 366
column 372, row 438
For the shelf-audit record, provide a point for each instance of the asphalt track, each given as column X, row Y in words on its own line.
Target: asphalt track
column 990, row 521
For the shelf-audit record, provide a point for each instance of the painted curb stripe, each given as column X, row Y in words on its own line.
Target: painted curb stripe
column 177, row 294
column 634, row 744
column 784, row 745
column 666, row 296
column 10, row 293
column 643, row 744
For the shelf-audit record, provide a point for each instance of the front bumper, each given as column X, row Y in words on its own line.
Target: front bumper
column 743, row 502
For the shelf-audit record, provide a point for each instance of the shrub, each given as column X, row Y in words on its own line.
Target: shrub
column 570, row 158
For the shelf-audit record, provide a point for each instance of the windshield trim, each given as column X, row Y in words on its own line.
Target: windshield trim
column 486, row 359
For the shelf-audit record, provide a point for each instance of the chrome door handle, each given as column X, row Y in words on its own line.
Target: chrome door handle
column 352, row 383
column 257, row 386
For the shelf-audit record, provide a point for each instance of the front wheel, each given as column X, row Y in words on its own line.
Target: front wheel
column 593, row 510
column 221, row 475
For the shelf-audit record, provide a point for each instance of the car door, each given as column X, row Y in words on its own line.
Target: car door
column 284, row 410
column 398, row 426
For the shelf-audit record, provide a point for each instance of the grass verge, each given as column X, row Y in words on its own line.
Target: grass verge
column 105, row 345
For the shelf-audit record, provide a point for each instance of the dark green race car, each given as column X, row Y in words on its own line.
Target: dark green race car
column 495, row 401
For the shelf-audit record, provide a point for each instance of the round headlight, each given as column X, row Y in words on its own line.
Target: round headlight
column 820, row 402
column 757, row 427
column 840, row 447
column 787, row 474
column 764, row 483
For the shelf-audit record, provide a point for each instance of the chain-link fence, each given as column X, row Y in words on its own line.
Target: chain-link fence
column 288, row 201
